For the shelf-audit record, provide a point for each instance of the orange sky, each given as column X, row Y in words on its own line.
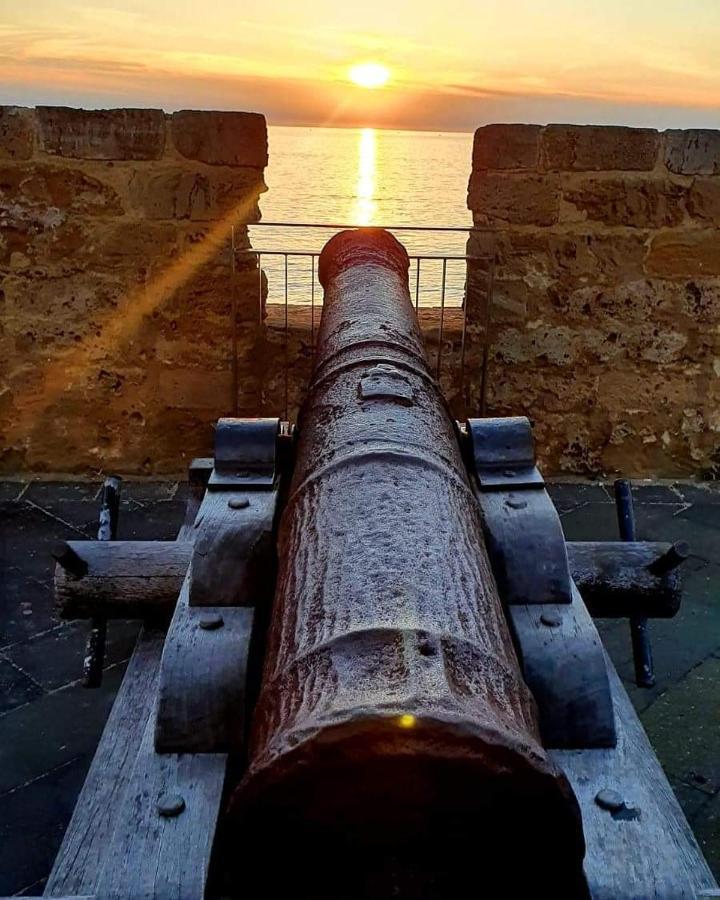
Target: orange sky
column 454, row 64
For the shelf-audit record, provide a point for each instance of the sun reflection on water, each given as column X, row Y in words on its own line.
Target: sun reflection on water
column 364, row 206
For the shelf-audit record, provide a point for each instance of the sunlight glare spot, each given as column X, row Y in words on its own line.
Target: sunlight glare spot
column 365, row 206
column 369, row 75
column 407, row 721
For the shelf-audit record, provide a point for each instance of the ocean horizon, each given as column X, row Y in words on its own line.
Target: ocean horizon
column 364, row 176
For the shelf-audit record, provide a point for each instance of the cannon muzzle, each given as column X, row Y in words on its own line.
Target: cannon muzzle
column 395, row 748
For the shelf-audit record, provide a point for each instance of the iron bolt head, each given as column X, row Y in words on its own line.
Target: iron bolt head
column 516, row 503
column 508, row 473
column 551, row 619
column 238, row 503
column 609, row 800
column 211, row 622
column 170, row 805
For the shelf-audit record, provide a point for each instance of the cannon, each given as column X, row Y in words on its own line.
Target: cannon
column 368, row 666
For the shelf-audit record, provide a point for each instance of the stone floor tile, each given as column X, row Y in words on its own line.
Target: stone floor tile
column 11, row 490
column 568, row 495
column 684, row 726
column 707, row 831
column 33, row 823
column 55, row 658
column 53, row 730
column 54, row 494
column 16, row 688
column 143, row 492
column 26, row 606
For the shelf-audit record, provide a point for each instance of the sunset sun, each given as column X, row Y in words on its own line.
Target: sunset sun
column 369, row 75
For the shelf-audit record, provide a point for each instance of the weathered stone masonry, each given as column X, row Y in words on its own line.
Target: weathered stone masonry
column 115, row 284
column 606, row 321
column 115, row 292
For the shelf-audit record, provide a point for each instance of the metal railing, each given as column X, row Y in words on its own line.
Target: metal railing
column 429, row 278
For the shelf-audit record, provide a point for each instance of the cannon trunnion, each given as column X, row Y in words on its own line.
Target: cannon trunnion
column 369, row 666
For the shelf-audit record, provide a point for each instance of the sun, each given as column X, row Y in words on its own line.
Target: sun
column 369, row 75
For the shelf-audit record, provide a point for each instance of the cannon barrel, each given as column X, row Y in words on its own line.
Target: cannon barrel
column 395, row 747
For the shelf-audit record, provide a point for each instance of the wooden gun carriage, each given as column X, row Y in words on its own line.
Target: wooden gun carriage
column 368, row 665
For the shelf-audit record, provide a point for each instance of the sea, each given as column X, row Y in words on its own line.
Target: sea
column 364, row 176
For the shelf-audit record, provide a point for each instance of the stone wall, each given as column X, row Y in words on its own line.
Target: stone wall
column 605, row 326
column 116, row 287
column 116, row 292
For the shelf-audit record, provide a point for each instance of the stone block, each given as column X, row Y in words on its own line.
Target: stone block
column 598, row 148
column 678, row 254
column 506, row 147
column 645, row 300
column 559, row 261
column 637, row 202
column 176, row 192
column 17, row 132
column 51, row 192
column 196, row 388
column 221, row 138
column 695, row 151
column 130, row 134
column 704, row 200
column 514, row 199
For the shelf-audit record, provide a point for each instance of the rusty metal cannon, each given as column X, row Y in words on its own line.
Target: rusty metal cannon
column 379, row 678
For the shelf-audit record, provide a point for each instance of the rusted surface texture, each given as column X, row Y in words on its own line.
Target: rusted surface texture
column 393, row 728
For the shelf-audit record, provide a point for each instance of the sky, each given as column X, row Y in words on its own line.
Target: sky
column 453, row 64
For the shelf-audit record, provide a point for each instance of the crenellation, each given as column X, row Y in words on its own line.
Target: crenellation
column 613, row 349
column 115, row 273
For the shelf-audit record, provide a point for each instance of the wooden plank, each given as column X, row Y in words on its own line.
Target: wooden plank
column 77, row 866
column 203, row 673
column 234, row 559
column 159, row 857
column 646, row 849
column 563, row 663
column 123, row 580
column 78, row 862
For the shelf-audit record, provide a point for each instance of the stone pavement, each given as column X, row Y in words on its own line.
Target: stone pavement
column 50, row 724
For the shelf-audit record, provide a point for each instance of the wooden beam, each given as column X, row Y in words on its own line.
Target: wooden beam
column 122, row 580
column 619, row 579
column 645, row 847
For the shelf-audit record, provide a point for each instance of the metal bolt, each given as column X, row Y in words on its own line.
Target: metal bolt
column 516, row 503
column 211, row 622
column 238, row 503
column 609, row 800
column 552, row 620
column 170, row 805
column 508, row 473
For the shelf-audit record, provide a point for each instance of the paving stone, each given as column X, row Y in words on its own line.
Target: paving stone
column 568, row 495
column 16, row 688
column 157, row 522
column 678, row 646
column 707, row 831
column 706, row 493
column 26, row 607
column 55, row 729
column 654, row 493
column 148, row 491
column 665, row 523
column 54, row 494
column 33, row 823
column 692, row 800
column 55, row 658
column 592, row 522
column 684, row 727
column 10, row 490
